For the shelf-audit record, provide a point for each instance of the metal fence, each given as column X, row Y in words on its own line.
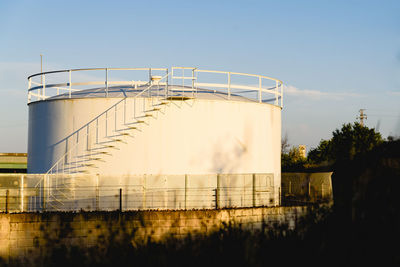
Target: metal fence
column 112, row 198
column 304, row 188
column 38, row 192
column 32, row 193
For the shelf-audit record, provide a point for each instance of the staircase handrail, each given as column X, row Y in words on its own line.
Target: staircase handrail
column 97, row 117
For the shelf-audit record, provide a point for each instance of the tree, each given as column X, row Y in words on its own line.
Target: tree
column 346, row 143
column 292, row 159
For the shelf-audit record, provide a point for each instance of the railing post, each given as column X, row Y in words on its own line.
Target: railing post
column 144, row 192
column 29, row 87
column 197, row 76
column 7, row 198
column 120, row 200
column 106, row 123
column 165, row 194
column 106, row 82
column 70, row 81
column 172, row 75
column 41, row 83
column 254, row 190
column 125, row 111
column 149, row 75
column 193, row 83
column 276, row 92
column 115, row 118
column 217, row 200
column 186, row 183
column 44, row 192
column 229, row 85
column 87, row 138
column 97, row 192
column 183, row 82
column 280, row 196
column 259, row 90
column 166, row 86
column 21, row 193
column 44, row 87
column 183, row 78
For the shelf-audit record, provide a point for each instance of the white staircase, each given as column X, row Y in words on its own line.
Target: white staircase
column 97, row 141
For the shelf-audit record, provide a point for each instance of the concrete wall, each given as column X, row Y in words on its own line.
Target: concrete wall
column 306, row 187
column 26, row 235
column 13, row 161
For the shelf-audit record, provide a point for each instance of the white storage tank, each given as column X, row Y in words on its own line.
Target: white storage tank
column 178, row 121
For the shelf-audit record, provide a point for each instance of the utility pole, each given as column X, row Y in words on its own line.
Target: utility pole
column 362, row 116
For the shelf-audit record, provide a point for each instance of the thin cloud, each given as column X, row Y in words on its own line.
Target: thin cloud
column 397, row 93
column 315, row 94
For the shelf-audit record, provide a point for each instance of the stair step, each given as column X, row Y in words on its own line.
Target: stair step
column 179, row 98
column 162, row 103
column 95, row 153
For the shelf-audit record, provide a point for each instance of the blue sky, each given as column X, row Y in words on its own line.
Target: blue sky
column 334, row 57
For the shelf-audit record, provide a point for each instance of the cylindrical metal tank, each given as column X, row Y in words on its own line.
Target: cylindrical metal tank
column 198, row 136
column 156, row 127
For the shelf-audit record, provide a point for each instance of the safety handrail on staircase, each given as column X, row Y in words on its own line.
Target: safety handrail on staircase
column 56, row 189
column 95, row 119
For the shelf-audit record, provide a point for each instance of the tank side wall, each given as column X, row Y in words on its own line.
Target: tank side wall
column 204, row 137
column 52, row 125
column 191, row 137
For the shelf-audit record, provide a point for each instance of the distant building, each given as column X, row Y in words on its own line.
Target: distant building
column 13, row 162
column 303, row 151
